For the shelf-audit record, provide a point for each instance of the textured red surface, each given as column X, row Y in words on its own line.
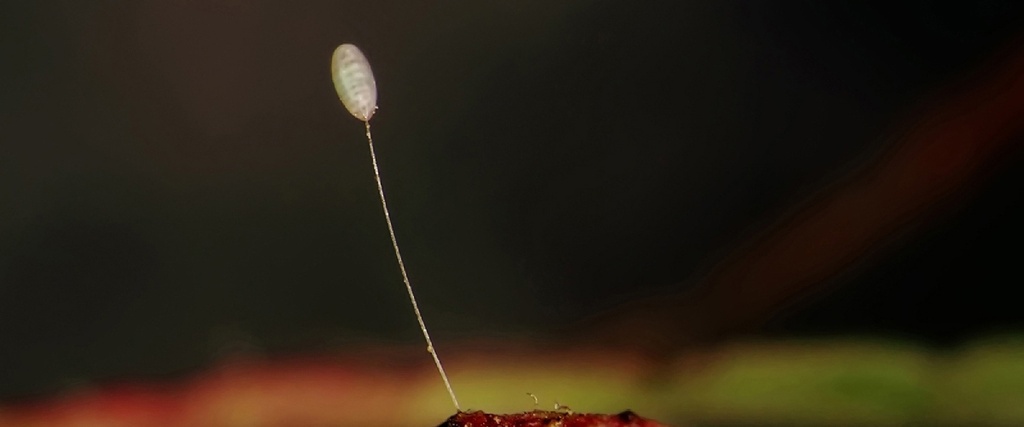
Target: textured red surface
column 547, row 419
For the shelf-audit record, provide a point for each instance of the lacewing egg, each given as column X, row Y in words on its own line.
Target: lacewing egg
column 354, row 82
column 353, row 79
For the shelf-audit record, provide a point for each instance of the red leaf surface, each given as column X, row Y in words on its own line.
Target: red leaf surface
column 547, row 419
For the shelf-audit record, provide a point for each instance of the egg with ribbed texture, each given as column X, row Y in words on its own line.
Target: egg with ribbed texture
column 353, row 79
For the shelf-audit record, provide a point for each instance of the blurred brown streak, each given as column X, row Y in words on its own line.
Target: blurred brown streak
column 932, row 164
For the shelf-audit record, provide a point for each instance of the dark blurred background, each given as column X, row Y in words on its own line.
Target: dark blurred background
column 179, row 182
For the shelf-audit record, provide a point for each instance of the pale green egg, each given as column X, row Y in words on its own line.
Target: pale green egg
column 353, row 79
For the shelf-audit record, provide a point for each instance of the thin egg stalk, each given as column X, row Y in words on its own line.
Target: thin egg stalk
column 353, row 79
